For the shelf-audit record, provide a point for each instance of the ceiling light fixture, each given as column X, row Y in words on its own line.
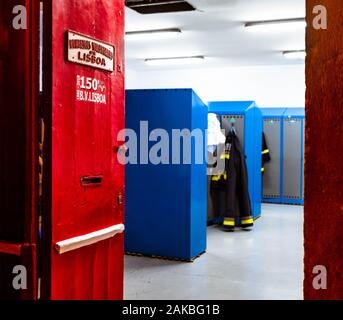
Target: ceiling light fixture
column 159, row 6
column 277, row 25
column 175, row 61
column 295, row 54
column 153, row 34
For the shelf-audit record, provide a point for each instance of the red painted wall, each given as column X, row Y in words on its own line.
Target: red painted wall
column 324, row 145
column 18, row 134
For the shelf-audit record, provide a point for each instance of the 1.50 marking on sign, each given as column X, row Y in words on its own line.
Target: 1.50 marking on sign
column 90, row 90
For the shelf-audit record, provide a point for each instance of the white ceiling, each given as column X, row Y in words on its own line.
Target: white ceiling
column 216, row 30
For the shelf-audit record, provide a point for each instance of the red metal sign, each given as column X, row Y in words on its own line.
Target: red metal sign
column 90, row 52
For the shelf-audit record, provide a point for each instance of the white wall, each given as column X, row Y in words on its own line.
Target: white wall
column 269, row 86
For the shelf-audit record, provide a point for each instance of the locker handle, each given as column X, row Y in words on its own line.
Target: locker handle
column 88, row 239
column 91, row 181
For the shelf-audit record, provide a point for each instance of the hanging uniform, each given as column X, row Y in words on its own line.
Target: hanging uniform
column 265, row 153
column 232, row 186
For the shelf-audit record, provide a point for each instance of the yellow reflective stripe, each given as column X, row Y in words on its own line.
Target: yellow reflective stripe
column 215, row 178
column 262, row 170
column 225, row 156
column 229, row 223
column 248, row 221
column 265, row 151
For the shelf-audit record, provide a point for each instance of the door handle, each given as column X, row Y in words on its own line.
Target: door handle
column 88, row 239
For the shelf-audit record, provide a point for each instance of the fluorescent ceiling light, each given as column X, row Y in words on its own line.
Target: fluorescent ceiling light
column 153, row 34
column 298, row 54
column 277, row 25
column 175, row 61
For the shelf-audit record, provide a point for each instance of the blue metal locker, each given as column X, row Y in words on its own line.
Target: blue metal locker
column 283, row 181
column 293, row 156
column 166, row 203
column 248, row 119
column 272, row 178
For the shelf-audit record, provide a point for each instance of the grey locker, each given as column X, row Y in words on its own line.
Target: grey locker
column 272, row 176
column 216, row 200
column 239, row 126
column 292, row 159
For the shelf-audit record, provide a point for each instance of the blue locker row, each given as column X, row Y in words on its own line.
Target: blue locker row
column 166, row 202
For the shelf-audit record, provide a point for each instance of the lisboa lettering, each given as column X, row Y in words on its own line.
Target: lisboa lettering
column 91, row 58
column 94, row 48
column 90, row 52
column 90, row 97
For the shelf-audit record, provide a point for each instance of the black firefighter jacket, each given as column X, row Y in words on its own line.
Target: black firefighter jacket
column 235, row 184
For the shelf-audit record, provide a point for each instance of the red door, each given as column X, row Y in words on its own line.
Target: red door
column 83, row 181
column 67, row 234
column 18, row 151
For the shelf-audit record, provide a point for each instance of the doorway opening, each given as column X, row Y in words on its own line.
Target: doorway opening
column 236, row 59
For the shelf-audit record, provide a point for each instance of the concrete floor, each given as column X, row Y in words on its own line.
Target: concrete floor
column 266, row 263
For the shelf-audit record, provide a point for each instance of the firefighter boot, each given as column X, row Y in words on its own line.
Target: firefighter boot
column 229, row 224
column 247, row 223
